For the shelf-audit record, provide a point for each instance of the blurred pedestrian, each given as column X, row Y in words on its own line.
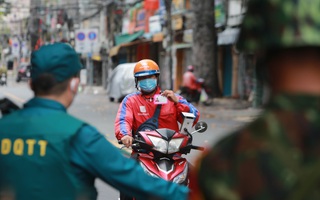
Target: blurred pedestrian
column 277, row 155
column 48, row 154
column 190, row 85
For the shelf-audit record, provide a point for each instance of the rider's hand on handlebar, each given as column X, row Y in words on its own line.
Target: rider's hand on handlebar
column 127, row 140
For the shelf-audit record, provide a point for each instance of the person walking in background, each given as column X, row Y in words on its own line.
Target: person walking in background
column 48, row 154
column 277, row 155
column 190, row 86
column 138, row 107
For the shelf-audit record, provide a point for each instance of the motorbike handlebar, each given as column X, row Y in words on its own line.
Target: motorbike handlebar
column 197, row 148
column 133, row 144
column 190, row 147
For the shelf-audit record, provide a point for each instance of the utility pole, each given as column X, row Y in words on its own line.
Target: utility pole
column 103, row 47
column 34, row 22
column 78, row 15
column 170, row 40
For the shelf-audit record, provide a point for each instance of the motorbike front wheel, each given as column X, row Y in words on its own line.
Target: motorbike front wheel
column 208, row 102
column 18, row 79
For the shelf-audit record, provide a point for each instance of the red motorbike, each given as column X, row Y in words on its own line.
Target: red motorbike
column 160, row 151
column 204, row 95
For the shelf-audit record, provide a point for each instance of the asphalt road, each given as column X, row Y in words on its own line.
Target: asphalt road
column 94, row 107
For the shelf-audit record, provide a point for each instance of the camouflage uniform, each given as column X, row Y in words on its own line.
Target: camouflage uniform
column 280, row 23
column 277, row 155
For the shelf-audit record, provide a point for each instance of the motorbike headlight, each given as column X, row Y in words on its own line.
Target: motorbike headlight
column 181, row 177
column 174, row 145
column 145, row 169
column 159, row 144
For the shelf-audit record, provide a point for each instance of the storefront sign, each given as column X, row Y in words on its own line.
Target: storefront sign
column 220, row 13
column 141, row 20
column 86, row 40
column 188, row 36
column 125, row 25
column 177, row 22
column 158, row 37
column 154, row 24
column 162, row 11
column 178, row 5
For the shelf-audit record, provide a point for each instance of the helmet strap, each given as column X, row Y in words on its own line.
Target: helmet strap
column 147, row 93
column 158, row 79
column 136, row 82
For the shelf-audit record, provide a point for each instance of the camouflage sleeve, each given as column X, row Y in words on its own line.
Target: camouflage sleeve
column 215, row 171
column 275, row 157
column 244, row 165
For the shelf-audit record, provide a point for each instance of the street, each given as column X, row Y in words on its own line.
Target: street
column 94, row 107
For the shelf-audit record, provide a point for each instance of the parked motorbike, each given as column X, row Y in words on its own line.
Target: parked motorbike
column 24, row 72
column 7, row 106
column 206, row 97
column 3, row 78
column 160, row 151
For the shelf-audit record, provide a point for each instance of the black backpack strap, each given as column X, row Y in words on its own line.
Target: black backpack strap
column 153, row 122
column 157, row 112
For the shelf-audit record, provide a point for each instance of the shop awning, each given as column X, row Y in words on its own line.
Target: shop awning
column 96, row 57
column 182, row 45
column 125, row 38
column 228, row 36
column 115, row 50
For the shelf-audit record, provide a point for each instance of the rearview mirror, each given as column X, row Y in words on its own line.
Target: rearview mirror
column 201, row 126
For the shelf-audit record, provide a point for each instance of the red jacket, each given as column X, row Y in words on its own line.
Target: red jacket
column 135, row 110
column 190, row 81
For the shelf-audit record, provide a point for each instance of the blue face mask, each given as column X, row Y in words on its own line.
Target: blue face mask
column 147, row 85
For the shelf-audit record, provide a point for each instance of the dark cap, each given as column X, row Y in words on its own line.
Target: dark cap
column 58, row 59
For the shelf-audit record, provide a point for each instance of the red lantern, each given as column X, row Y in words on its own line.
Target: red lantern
column 151, row 4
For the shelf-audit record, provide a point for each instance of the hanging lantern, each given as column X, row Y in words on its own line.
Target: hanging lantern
column 151, row 4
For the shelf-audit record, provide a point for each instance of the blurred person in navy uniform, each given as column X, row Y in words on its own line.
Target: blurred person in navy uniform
column 48, row 154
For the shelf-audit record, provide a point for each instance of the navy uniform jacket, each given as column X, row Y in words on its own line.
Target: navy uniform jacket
column 89, row 155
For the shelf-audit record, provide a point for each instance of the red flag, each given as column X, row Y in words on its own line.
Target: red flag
column 151, row 4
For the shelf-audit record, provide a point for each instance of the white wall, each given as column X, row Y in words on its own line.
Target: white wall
column 19, row 10
column 236, row 11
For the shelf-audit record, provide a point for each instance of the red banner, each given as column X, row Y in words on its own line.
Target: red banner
column 151, row 4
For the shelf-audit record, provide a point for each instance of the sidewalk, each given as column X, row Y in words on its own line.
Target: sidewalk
column 229, row 103
column 92, row 90
column 231, row 109
column 226, row 103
